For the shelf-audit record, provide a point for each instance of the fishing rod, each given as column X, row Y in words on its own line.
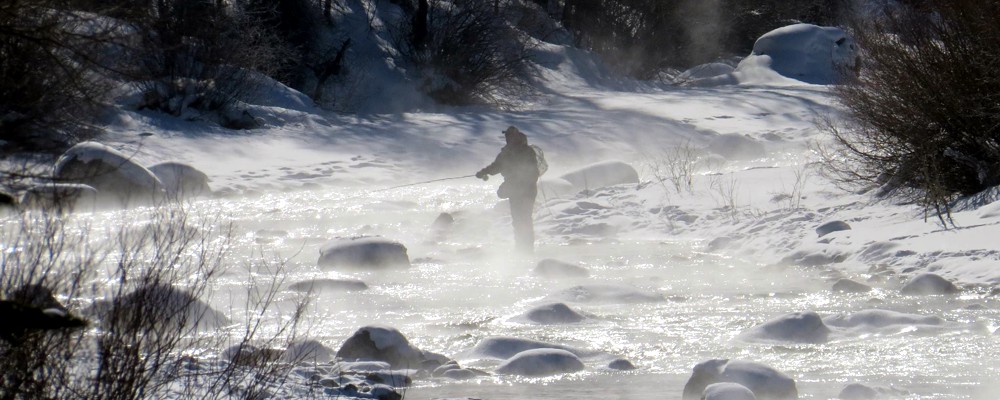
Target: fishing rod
column 422, row 183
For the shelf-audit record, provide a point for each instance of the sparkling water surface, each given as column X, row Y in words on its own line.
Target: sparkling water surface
column 466, row 285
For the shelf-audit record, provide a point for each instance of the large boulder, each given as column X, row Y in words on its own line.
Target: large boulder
column 541, row 362
column 118, row 178
column 384, row 343
column 804, row 52
column 800, row 327
column 929, row 284
column 181, row 180
column 364, row 253
column 765, row 382
column 61, row 197
column 594, row 176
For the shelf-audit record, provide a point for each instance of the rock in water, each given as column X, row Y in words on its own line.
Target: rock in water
column 727, row 391
column 556, row 313
column 929, row 284
column 801, row 327
column 116, row 176
column 765, row 382
column 60, row 197
column 160, row 304
column 541, row 362
column 21, row 319
column 329, row 285
column 364, row 253
column 550, row 268
column 382, row 343
column 503, row 347
column 181, row 180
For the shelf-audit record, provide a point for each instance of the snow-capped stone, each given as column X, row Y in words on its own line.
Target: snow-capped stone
column 727, row 391
column 832, row 226
column 929, row 284
column 381, row 343
column 765, row 382
column 604, row 294
column 805, row 52
column 329, row 285
column 541, row 362
column 849, row 286
column 181, row 180
column 555, row 313
column 364, row 253
column 800, row 327
column 503, row 347
column 552, row 268
column 117, row 177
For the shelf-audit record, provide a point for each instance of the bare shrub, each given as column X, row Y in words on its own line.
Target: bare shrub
column 675, row 165
column 140, row 286
column 467, row 54
column 923, row 116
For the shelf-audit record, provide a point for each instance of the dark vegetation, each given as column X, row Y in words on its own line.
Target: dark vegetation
column 62, row 61
column 924, row 122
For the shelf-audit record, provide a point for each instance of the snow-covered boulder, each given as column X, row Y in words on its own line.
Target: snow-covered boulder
column 328, row 285
column 594, row 176
column 118, row 178
column 162, row 304
column 727, row 391
column 832, row 226
column 60, row 196
column 765, row 382
column 383, row 343
column 800, row 327
column 552, row 268
column 555, row 313
column 181, row 180
column 541, row 362
column 929, row 284
column 848, row 286
column 503, row 347
column 604, row 294
column 868, row 320
column 804, row 52
column 364, row 253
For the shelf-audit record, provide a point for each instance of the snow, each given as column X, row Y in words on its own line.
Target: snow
column 755, row 192
column 541, row 362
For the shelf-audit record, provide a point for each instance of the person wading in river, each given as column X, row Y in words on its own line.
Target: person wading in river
column 520, row 164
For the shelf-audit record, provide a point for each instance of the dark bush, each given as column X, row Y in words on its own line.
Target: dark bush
column 468, row 53
column 924, row 115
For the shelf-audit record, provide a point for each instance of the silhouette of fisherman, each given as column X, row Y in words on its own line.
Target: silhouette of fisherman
column 520, row 164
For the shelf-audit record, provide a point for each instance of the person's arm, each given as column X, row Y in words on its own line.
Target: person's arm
column 491, row 169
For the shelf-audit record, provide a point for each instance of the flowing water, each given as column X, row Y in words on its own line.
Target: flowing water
column 465, row 285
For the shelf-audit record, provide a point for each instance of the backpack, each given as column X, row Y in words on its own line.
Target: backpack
column 540, row 160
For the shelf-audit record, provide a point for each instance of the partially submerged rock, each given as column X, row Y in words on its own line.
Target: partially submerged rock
column 800, row 327
column 503, row 347
column 555, row 313
column 61, row 197
column 875, row 319
column 552, row 268
column 364, row 253
column 727, row 391
column 383, row 343
column 541, row 362
column 160, row 304
column 857, row 391
column 328, row 285
column 849, row 286
column 929, row 284
column 181, row 180
column 117, row 177
column 605, row 294
column 765, row 382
